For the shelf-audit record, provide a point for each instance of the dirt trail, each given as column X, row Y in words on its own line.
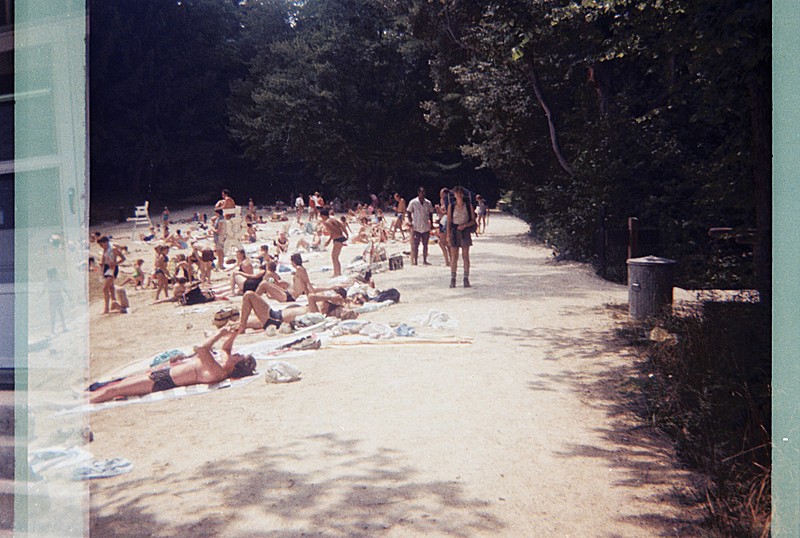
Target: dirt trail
column 516, row 434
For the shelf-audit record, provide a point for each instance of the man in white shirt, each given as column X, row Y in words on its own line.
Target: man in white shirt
column 420, row 213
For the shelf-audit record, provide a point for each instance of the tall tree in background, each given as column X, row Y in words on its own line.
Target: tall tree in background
column 340, row 93
column 159, row 77
column 583, row 105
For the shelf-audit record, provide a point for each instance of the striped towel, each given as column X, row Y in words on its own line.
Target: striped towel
column 177, row 392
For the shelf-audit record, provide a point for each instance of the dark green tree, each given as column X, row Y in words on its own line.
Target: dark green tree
column 159, row 78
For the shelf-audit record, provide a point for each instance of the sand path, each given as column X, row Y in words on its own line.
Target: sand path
column 518, row 434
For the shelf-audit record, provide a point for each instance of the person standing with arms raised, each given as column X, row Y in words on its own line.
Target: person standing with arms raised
column 420, row 213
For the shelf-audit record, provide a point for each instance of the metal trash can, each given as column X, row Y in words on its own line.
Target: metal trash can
column 649, row 286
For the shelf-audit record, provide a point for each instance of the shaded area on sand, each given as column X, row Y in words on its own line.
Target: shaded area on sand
column 264, row 492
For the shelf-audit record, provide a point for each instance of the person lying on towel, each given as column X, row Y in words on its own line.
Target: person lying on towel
column 181, row 371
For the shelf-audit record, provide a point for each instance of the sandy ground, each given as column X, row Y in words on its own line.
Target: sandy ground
column 521, row 433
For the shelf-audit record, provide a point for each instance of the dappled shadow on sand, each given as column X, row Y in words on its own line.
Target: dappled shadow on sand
column 586, row 362
column 318, row 486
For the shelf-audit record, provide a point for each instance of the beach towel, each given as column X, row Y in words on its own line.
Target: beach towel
column 102, row 468
column 352, row 340
column 171, row 394
column 75, row 463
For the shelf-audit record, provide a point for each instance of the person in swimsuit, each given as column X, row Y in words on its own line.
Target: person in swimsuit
column 441, row 211
column 137, row 279
column 181, row 371
column 400, row 213
column 110, row 260
column 243, row 271
column 483, row 213
column 265, row 316
column 460, row 217
column 301, row 284
column 331, row 302
column 161, row 272
column 282, row 243
column 337, row 235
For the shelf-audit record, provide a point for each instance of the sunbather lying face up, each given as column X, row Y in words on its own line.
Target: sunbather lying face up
column 200, row 368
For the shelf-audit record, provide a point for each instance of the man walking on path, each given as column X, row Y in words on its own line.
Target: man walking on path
column 420, row 213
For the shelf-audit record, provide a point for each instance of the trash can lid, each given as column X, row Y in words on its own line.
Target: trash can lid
column 650, row 260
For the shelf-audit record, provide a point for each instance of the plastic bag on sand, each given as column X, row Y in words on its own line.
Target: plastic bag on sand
column 377, row 331
column 436, row 319
column 282, row 372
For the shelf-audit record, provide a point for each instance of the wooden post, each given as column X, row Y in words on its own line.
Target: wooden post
column 633, row 237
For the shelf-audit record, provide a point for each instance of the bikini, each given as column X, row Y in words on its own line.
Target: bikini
column 340, row 239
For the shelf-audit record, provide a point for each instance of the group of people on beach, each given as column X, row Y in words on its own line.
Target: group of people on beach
column 452, row 221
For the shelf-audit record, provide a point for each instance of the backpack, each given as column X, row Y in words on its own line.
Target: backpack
column 388, row 295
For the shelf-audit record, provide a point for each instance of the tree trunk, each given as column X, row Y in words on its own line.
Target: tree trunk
column 531, row 72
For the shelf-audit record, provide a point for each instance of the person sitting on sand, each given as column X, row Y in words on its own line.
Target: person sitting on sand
column 243, row 270
column 149, row 237
column 301, row 284
column 314, row 246
column 183, row 264
column 137, row 279
column 178, row 291
column 177, row 240
column 282, row 243
column 181, row 371
column 264, row 257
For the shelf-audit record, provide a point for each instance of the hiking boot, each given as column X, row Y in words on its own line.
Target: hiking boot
column 466, row 282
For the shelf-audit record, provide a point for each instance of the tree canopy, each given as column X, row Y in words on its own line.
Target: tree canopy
column 657, row 109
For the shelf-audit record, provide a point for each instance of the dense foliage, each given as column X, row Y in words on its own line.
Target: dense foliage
column 657, row 109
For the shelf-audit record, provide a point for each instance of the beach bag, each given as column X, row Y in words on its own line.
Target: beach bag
column 388, row 295
column 395, row 262
column 196, row 296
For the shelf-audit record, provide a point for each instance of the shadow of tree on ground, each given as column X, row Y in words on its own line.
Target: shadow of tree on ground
column 587, row 363
column 318, row 486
